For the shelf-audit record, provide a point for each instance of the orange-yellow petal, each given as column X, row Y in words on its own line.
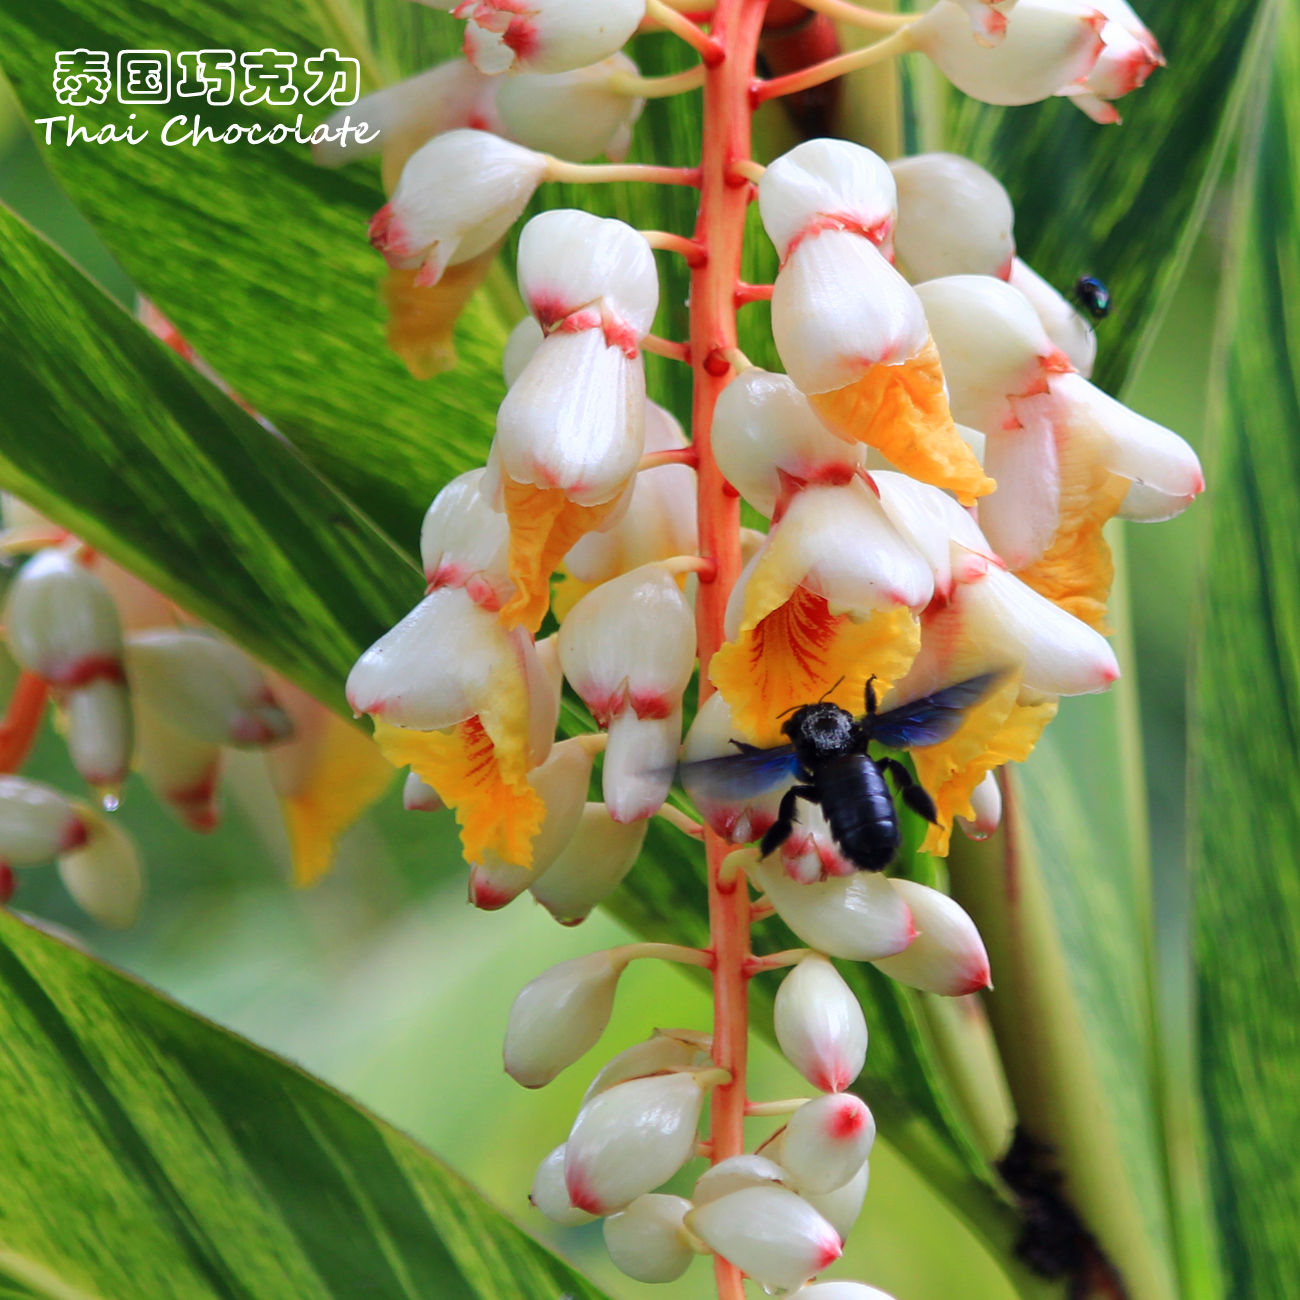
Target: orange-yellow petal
column 798, row 652
column 902, row 411
column 496, row 808
column 544, row 525
column 421, row 318
column 343, row 775
column 997, row 730
column 1076, row 569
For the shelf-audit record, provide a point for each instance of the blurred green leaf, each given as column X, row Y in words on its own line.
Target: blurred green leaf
column 125, row 444
column 146, row 1153
column 1245, row 818
column 259, row 256
column 1121, row 202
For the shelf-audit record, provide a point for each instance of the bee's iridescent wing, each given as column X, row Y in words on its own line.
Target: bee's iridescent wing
column 932, row 718
column 735, row 777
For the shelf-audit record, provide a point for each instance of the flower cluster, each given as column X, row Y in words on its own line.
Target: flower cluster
column 139, row 685
column 936, row 470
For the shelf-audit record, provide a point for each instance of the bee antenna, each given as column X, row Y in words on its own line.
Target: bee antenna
column 791, row 709
column 829, row 689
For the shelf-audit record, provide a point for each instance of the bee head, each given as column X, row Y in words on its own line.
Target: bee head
column 821, row 730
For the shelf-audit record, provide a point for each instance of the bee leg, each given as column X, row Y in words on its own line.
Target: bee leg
column 914, row 795
column 780, row 830
column 870, row 696
column 742, row 747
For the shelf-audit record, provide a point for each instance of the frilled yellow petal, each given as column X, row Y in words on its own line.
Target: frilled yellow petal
column 997, row 730
column 341, row 776
column 1076, row 570
column 487, row 785
column 421, row 318
column 544, row 526
column 797, row 654
column 902, row 411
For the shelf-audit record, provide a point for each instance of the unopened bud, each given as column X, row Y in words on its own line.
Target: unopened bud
column 591, row 866
column 646, row 1241
column 205, row 687
column 103, row 875
column 551, row 1197
column 559, row 1016
column 544, row 35
column 841, row 1207
column 61, row 622
column 838, row 1291
column 37, row 822
column 859, row 917
column 181, row 770
column 986, row 800
column 735, row 1173
column 820, row 1026
column 631, row 1138
column 100, row 731
column 770, row 1233
column 827, row 1141
column 665, row 1052
column 947, row 956
column 419, row 796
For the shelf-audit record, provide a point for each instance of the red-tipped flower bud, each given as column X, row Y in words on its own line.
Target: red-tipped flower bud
column 827, row 1141
column 820, row 1026
column 646, row 1241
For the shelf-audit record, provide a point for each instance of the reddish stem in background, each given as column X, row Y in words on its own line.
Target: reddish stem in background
column 720, row 231
column 22, row 720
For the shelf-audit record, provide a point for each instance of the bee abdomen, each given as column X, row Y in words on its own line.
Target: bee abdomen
column 860, row 809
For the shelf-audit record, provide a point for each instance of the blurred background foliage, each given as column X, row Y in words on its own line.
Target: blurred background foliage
column 384, row 983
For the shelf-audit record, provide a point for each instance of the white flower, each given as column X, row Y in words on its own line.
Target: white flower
column 575, row 115
column 954, row 218
column 457, row 196
column 947, row 956
column 551, row 1196
column 558, row 1016
column 647, row 1242
column 826, row 1142
column 37, row 822
column 820, row 1026
column 628, row 649
column 1064, row 325
column 665, row 1051
column 464, row 542
column 103, row 873
column 734, row 1173
column 591, row 866
column 770, row 1233
column 543, row 35
column 630, row 1138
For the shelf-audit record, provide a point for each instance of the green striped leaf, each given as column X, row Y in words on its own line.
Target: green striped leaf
column 146, row 1153
column 1245, row 818
column 113, row 435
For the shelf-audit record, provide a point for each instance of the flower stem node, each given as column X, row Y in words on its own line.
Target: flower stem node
column 947, row 956
column 827, row 1141
column 954, row 218
column 551, row 1197
column 770, row 1233
column 647, row 1242
column 543, row 35
column 37, row 822
column 631, row 1138
column 206, row 687
column 820, row 1026
column 628, row 649
column 458, row 194
column 559, row 1016
column 858, row 918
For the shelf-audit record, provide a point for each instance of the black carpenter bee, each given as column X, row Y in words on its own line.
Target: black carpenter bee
column 829, row 756
column 1092, row 295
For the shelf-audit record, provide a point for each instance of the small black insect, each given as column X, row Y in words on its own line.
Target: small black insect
column 829, row 756
column 1092, row 295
